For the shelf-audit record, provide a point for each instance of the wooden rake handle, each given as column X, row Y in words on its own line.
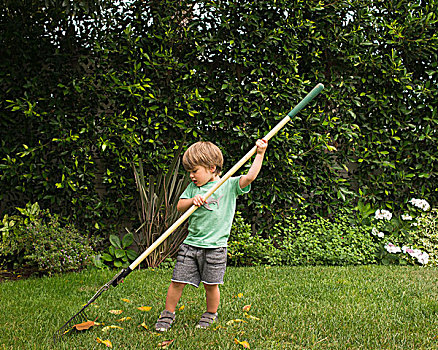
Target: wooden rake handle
column 310, row 96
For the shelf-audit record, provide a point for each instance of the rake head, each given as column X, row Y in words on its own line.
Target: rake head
column 81, row 316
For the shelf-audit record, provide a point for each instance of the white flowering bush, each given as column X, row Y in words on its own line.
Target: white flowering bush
column 410, row 238
column 426, row 234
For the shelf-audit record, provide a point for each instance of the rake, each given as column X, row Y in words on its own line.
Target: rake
column 119, row 277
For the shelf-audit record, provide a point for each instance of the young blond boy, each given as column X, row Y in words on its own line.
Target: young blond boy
column 203, row 255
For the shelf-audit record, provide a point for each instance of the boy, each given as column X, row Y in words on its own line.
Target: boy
column 203, row 255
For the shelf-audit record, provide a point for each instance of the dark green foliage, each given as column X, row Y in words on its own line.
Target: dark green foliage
column 36, row 240
column 157, row 210
column 89, row 87
column 300, row 240
column 306, row 241
column 245, row 249
column 119, row 254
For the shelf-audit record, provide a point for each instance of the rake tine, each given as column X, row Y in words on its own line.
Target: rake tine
column 81, row 315
column 67, row 327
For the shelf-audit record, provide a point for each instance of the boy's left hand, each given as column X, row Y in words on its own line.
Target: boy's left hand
column 261, row 146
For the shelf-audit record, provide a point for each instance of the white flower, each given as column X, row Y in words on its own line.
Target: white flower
column 423, row 258
column 391, row 248
column 383, row 214
column 420, row 203
column 377, row 233
column 406, row 217
column 415, row 253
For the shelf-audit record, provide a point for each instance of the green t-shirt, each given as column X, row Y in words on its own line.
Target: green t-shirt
column 210, row 224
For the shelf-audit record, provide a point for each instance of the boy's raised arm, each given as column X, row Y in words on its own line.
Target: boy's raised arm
column 245, row 180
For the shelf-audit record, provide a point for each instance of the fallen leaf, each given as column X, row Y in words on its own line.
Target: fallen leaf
column 218, row 327
column 123, row 319
column 245, row 344
column 115, row 312
column 145, row 308
column 126, row 300
column 251, row 317
column 85, row 325
column 229, row 323
column 181, row 308
column 165, row 343
column 144, row 325
column 240, row 295
column 107, row 328
column 106, row 342
column 247, row 307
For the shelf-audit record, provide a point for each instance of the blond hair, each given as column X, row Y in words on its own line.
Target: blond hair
column 203, row 153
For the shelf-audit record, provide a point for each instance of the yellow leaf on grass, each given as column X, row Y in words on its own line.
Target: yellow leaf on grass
column 240, row 295
column 107, row 328
column 251, row 317
column 229, row 323
column 106, row 342
column 145, row 308
column 245, row 344
column 126, row 300
column 144, row 325
column 115, row 312
column 181, row 308
column 165, row 343
column 123, row 319
column 247, row 307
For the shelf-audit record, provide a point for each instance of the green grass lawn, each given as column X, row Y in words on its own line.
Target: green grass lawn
column 367, row 307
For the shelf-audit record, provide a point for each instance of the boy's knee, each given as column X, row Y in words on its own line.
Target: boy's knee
column 177, row 285
column 211, row 287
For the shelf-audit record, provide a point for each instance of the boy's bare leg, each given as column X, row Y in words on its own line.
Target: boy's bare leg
column 213, row 297
column 173, row 295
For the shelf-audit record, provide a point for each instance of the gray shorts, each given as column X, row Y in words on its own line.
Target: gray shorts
column 195, row 265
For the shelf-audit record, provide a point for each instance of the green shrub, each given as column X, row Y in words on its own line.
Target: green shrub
column 426, row 235
column 320, row 241
column 245, row 249
column 119, row 254
column 409, row 238
column 37, row 240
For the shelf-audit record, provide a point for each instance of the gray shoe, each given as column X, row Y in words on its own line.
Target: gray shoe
column 165, row 321
column 207, row 319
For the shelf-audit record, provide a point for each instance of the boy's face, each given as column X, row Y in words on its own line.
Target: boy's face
column 201, row 175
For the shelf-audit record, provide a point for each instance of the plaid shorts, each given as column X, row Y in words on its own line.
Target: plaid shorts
column 195, row 265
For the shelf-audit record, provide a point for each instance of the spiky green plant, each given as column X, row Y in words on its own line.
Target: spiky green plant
column 157, row 210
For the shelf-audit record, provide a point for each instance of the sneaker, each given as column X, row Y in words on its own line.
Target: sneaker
column 207, row 319
column 165, row 321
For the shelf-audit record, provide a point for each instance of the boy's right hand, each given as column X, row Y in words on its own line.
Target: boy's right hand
column 198, row 200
